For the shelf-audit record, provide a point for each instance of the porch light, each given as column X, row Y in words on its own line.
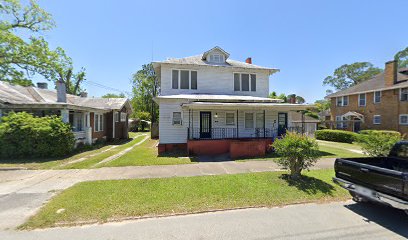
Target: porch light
column 216, row 115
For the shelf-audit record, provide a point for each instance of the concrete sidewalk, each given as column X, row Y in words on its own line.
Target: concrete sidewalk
column 22, row 192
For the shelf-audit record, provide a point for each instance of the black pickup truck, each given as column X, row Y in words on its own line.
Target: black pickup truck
column 379, row 179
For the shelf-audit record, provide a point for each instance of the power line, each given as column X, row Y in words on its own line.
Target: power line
column 95, row 84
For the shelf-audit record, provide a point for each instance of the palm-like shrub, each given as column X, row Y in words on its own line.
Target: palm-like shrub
column 296, row 152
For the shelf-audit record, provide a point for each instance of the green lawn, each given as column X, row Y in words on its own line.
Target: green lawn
column 101, row 201
column 50, row 163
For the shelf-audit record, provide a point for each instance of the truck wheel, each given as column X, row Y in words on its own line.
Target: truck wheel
column 357, row 198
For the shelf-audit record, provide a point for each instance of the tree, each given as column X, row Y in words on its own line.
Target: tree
column 145, row 88
column 322, row 105
column 143, row 118
column 21, row 58
column 113, row 95
column 296, row 152
column 349, row 75
column 402, row 58
column 378, row 143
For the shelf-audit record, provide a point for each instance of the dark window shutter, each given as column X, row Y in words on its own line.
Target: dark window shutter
column 175, row 74
column 245, row 82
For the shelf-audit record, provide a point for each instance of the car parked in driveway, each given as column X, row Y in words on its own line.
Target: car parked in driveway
column 379, row 179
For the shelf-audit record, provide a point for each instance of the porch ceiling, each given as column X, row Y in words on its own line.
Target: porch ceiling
column 229, row 106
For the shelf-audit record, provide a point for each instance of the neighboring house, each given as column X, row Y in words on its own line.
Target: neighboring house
column 378, row 103
column 210, row 104
column 91, row 118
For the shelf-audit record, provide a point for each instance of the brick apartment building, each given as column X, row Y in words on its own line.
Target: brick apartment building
column 380, row 103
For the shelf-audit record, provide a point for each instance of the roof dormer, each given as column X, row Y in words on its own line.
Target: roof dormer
column 215, row 55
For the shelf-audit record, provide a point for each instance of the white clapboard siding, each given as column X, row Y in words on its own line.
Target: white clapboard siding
column 214, row 80
column 169, row 133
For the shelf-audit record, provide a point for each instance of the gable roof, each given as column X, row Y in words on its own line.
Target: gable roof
column 205, row 54
column 15, row 95
column 376, row 83
column 199, row 60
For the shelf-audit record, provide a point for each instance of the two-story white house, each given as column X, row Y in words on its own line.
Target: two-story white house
column 210, row 104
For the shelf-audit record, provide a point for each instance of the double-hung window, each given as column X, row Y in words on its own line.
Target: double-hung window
column 342, row 101
column 377, row 119
column 244, row 82
column 259, row 120
column 98, row 122
column 377, row 97
column 185, row 79
column 177, row 118
column 249, row 120
column 404, row 94
column 403, row 119
column 229, row 118
column 362, row 99
column 216, row 58
column 123, row 117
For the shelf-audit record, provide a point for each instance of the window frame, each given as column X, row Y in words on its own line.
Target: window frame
column 365, row 99
column 233, row 122
column 123, row 116
column 245, row 120
column 250, row 85
column 399, row 119
column 256, row 120
column 99, row 122
column 374, row 97
column 374, row 118
column 189, row 79
column 400, row 97
column 181, row 119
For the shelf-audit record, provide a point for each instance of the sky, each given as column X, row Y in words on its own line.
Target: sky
column 306, row 40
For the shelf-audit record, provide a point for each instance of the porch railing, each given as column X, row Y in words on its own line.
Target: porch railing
column 80, row 135
column 230, row 133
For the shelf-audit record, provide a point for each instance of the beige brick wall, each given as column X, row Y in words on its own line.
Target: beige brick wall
column 389, row 108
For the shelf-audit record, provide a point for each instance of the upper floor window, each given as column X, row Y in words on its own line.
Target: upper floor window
column 362, row 99
column 403, row 119
column 244, row 82
column 342, row 101
column 186, row 79
column 217, row 58
column 377, row 97
column 404, row 94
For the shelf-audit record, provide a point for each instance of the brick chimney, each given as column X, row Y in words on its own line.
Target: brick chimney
column 249, row 60
column 42, row 85
column 390, row 73
column 61, row 92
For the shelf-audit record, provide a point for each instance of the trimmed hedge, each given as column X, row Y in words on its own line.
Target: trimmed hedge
column 336, row 135
column 381, row 132
column 23, row 135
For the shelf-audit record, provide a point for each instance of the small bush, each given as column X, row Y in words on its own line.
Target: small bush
column 378, row 143
column 297, row 152
column 385, row 132
column 336, row 135
column 23, row 135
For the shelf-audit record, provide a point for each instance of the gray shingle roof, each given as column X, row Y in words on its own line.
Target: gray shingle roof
column 197, row 60
column 15, row 95
column 376, row 83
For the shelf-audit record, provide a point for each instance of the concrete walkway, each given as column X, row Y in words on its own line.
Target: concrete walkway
column 22, row 192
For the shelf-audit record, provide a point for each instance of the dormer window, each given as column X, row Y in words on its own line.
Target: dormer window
column 216, row 58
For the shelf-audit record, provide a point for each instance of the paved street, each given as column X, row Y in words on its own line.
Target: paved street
column 22, row 192
column 345, row 220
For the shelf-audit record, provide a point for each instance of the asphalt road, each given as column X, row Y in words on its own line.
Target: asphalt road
column 345, row 220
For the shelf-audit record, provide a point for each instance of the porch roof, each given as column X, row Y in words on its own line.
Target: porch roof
column 220, row 98
column 247, row 105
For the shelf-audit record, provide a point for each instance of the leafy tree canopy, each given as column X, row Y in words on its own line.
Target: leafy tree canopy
column 113, row 95
column 349, row 75
column 402, row 57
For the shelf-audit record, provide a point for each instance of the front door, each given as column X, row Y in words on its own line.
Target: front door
column 282, row 123
column 205, row 124
column 357, row 126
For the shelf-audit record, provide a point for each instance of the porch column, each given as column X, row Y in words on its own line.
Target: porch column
column 88, row 129
column 264, row 117
column 65, row 115
column 237, row 125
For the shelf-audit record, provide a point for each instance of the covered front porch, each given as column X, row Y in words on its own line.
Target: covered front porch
column 238, row 129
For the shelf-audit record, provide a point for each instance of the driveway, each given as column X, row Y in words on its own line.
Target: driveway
column 344, row 220
column 22, row 192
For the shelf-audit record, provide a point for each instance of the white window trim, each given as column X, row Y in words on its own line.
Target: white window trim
column 240, row 81
column 365, row 101
column 179, row 79
column 181, row 118
column 374, row 96
column 226, row 124
column 347, row 101
column 253, row 120
column 400, row 94
column 376, row 123
column 219, row 56
column 399, row 120
column 123, row 116
column 99, row 125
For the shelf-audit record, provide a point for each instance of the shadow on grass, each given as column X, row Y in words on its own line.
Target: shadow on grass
column 309, row 185
column 272, row 155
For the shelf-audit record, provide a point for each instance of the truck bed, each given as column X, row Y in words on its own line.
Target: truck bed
column 383, row 174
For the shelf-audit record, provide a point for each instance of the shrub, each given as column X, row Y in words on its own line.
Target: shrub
column 336, row 135
column 385, row 132
column 378, row 143
column 297, row 152
column 23, row 135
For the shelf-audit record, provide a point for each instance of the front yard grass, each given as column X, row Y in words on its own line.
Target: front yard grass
column 101, row 201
